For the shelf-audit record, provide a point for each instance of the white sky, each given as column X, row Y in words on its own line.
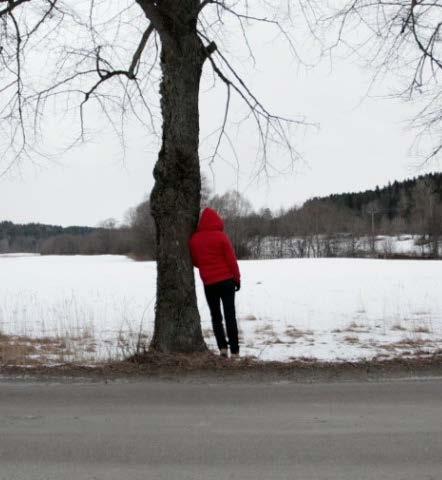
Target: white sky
column 359, row 145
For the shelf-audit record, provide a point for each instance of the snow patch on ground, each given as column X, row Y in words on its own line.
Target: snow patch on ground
column 100, row 307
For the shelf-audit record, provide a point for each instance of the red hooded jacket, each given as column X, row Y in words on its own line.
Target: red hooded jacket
column 212, row 251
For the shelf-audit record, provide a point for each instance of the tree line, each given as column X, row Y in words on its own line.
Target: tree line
column 58, row 240
column 347, row 224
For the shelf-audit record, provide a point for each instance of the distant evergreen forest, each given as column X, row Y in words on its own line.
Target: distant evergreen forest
column 319, row 227
column 397, row 199
column 40, row 230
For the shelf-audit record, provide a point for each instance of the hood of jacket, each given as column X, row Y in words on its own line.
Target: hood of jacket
column 210, row 221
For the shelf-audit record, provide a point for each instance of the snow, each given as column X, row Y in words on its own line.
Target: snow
column 402, row 244
column 324, row 309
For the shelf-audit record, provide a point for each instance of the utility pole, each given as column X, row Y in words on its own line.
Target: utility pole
column 372, row 212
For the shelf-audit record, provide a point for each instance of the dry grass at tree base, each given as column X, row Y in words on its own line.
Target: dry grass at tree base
column 210, row 362
column 209, row 367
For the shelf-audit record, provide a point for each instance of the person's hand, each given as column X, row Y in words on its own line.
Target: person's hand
column 237, row 286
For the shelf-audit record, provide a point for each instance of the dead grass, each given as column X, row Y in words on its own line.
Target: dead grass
column 274, row 341
column 294, row 332
column 412, row 342
column 92, row 348
column 130, row 343
column 265, row 330
column 310, row 360
column 398, row 327
column 189, row 362
column 353, row 327
column 356, row 328
column 3, row 337
column 351, row 339
column 407, row 343
column 16, row 350
column 421, row 329
column 209, row 366
column 25, row 350
column 16, row 354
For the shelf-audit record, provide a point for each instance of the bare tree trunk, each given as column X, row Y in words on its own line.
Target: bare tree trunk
column 175, row 199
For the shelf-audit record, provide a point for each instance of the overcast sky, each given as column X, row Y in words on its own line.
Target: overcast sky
column 361, row 142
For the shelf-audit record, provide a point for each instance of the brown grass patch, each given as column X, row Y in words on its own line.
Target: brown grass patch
column 92, row 348
column 294, row 332
column 265, row 330
column 351, row 339
column 399, row 327
column 25, row 350
column 15, row 350
column 421, row 329
column 274, row 341
column 305, row 359
column 406, row 343
column 356, row 328
column 412, row 342
column 3, row 337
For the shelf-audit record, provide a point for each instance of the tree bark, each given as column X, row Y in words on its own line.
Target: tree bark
column 175, row 198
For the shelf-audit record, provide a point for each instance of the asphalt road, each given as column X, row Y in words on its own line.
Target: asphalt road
column 168, row 430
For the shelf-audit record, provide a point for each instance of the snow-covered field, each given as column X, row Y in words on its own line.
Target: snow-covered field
column 327, row 309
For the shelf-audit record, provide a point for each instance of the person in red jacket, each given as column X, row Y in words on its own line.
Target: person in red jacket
column 214, row 256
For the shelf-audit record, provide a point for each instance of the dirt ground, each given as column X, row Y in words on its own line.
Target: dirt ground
column 209, row 367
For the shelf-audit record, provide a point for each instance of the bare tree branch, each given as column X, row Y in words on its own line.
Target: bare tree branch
column 401, row 37
column 102, row 59
column 11, row 6
column 142, row 45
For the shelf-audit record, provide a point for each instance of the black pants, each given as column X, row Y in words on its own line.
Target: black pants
column 215, row 294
